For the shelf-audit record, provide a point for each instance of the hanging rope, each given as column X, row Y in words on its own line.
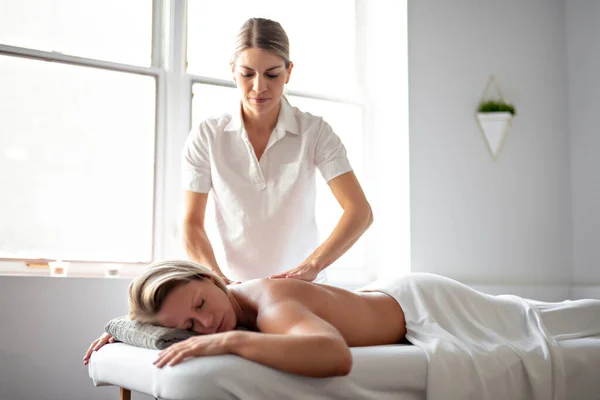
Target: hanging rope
column 492, row 83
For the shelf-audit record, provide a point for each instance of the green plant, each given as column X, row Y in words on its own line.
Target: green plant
column 496, row 106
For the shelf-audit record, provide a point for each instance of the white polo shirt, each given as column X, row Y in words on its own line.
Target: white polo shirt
column 265, row 210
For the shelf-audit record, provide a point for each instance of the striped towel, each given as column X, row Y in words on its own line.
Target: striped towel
column 149, row 336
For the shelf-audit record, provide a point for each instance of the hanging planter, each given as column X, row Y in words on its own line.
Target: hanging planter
column 494, row 117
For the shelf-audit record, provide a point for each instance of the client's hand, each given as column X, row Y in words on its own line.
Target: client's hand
column 97, row 344
column 197, row 346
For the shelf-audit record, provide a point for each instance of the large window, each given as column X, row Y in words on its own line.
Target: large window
column 77, row 135
column 98, row 97
column 77, row 162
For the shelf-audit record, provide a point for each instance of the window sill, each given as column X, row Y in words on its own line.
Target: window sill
column 350, row 279
column 76, row 270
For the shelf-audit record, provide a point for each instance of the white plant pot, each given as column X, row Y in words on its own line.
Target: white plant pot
column 494, row 126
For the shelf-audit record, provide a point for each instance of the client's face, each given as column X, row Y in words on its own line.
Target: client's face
column 199, row 306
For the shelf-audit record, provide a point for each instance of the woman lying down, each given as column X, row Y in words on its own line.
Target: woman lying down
column 307, row 328
column 295, row 326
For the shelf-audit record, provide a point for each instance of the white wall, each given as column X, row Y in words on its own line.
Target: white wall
column 477, row 220
column 583, row 44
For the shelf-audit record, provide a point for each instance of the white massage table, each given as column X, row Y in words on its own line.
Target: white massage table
column 396, row 372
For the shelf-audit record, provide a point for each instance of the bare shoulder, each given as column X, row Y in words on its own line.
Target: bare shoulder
column 274, row 290
column 264, row 293
column 290, row 305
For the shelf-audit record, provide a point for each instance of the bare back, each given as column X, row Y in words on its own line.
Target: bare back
column 362, row 318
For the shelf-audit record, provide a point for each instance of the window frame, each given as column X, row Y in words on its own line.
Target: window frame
column 157, row 71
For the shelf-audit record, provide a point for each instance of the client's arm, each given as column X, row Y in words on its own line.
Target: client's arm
column 292, row 339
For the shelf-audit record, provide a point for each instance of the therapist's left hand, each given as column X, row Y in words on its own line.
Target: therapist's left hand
column 307, row 271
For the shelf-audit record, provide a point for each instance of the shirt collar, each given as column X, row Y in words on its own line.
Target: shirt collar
column 286, row 122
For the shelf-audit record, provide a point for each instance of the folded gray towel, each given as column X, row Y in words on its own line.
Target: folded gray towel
column 149, row 336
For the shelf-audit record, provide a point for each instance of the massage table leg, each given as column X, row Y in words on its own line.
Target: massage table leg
column 125, row 394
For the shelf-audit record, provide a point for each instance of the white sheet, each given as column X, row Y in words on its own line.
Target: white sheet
column 485, row 347
column 582, row 368
column 397, row 372
column 386, row 372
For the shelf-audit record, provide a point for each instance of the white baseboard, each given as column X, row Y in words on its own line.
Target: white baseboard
column 544, row 292
column 585, row 292
column 551, row 293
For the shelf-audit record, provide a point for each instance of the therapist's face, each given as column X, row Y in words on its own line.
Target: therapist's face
column 260, row 76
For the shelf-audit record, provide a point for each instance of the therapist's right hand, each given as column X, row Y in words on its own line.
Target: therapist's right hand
column 229, row 281
column 96, row 345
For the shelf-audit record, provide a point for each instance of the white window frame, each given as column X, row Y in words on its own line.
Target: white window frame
column 155, row 70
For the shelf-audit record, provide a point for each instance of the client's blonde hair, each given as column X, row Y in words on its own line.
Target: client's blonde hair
column 149, row 290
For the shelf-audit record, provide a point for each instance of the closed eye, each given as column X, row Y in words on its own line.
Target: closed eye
column 191, row 325
column 270, row 76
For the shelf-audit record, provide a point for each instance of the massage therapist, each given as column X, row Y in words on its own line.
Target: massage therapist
column 259, row 160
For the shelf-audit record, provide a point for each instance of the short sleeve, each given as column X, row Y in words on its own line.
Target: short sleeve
column 195, row 166
column 330, row 153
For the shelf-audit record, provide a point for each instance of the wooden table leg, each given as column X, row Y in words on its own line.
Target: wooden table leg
column 125, row 394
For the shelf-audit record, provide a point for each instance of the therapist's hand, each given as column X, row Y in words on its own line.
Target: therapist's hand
column 307, row 271
column 229, row 281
